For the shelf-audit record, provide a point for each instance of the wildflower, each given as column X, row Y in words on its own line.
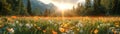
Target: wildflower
column 98, row 26
column 59, row 23
column 62, row 29
column 50, row 21
column 117, row 30
column 9, row 19
column 16, row 21
column 55, row 24
column 34, row 25
column 44, row 31
column 70, row 31
column 108, row 24
column 10, row 30
column 13, row 24
column 54, row 32
column 20, row 25
column 81, row 31
column 116, row 25
column 1, row 26
column 64, row 33
column 65, row 25
column 78, row 29
column 114, row 32
column 96, row 31
column 38, row 28
column 28, row 25
column 79, row 25
column 14, row 17
column 35, row 18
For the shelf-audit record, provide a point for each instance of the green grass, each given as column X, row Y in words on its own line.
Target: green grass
column 49, row 26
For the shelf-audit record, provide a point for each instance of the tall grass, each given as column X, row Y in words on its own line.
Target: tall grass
column 35, row 25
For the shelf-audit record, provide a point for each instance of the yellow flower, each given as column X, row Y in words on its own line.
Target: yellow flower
column 65, row 25
column 54, row 32
column 96, row 31
column 117, row 24
column 38, row 28
column 113, row 31
column 9, row 19
column 1, row 26
column 62, row 29
column 78, row 29
column 35, row 25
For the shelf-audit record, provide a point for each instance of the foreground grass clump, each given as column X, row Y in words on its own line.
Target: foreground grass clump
column 35, row 25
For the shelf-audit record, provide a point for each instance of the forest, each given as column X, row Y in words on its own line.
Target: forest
column 98, row 8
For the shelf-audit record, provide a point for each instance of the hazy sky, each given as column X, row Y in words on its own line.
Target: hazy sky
column 62, row 1
column 70, row 2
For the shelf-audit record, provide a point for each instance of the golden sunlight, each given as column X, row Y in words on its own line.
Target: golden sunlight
column 64, row 6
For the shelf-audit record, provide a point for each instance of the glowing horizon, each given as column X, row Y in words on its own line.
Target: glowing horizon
column 63, row 4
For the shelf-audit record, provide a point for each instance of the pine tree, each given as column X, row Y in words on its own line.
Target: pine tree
column 116, row 7
column 88, row 3
column 46, row 13
column 29, row 7
column 98, row 9
column 23, row 10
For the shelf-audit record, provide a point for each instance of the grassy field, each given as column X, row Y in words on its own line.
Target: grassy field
column 59, row 25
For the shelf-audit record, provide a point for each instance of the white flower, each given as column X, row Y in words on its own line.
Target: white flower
column 64, row 33
column 11, row 30
column 79, row 25
column 117, row 30
column 102, row 24
column 20, row 25
column 16, row 21
column 31, row 25
column 50, row 21
column 112, row 28
column 13, row 24
column 28, row 25
column 98, row 26
column 81, row 31
column 59, row 23
column 108, row 24
column 55, row 24
column 70, row 31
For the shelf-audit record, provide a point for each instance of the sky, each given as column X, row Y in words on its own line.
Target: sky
column 63, row 3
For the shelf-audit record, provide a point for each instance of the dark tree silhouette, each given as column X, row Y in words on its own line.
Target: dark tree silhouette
column 98, row 9
column 116, row 7
column 46, row 13
column 29, row 7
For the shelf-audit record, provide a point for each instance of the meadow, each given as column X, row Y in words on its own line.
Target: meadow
column 59, row 25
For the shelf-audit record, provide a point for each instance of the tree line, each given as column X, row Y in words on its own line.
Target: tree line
column 97, row 7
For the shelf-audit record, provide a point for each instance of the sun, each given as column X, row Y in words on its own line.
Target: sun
column 64, row 6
